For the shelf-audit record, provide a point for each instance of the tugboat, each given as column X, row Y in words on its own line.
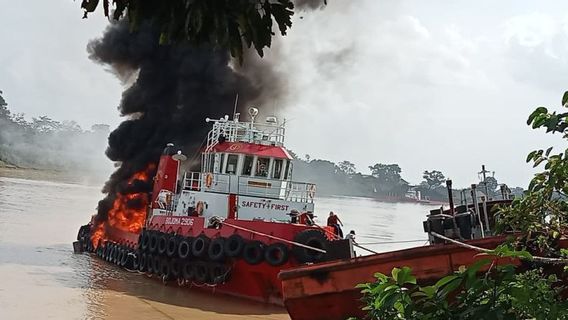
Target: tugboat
column 229, row 228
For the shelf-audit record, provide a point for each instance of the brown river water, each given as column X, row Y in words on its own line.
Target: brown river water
column 41, row 278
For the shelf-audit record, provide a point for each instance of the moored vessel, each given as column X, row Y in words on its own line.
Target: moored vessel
column 331, row 286
column 230, row 227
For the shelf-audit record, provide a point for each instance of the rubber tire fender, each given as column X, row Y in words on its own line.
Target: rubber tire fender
column 216, row 251
column 165, row 270
column 276, row 254
column 145, row 240
column 313, row 238
column 188, row 270
column 125, row 258
column 202, row 271
column 172, row 246
column 153, row 244
column 175, row 268
column 120, row 256
column 142, row 262
column 156, row 264
column 163, row 243
column 150, row 263
column 234, row 246
column 253, row 252
column 218, row 273
column 200, row 246
column 135, row 260
column 184, row 248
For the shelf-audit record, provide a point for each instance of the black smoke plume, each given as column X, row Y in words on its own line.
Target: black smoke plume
column 176, row 88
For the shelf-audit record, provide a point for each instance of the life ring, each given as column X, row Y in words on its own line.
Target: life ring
column 313, row 238
column 208, row 180
column 311, row 191
column 199, row 208
column 234, row 246
column 253, row 252
column 276, row 254
column 216, row 250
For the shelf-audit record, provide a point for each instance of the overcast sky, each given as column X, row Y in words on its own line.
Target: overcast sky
column 443, row 85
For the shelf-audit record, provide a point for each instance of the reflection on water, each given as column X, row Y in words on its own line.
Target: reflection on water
column 42, row 278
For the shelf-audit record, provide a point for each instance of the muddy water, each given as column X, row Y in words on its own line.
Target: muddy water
column 40, row 277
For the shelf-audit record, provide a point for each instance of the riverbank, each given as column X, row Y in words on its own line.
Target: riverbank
column 85, row 178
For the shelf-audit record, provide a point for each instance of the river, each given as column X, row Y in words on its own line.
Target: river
column 43, row 279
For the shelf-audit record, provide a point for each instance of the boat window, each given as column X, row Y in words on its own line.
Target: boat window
column 262, row 167
column 232, row 160
column 247, row 166
column 287, row 171
column 277, row 168
column 222, row 163
column 210, row 162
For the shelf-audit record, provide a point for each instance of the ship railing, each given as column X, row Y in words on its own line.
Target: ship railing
column 300, row 191
column 250, row 186
column 234, row 131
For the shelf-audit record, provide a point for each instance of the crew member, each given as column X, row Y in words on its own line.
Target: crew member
column 334, row 221
column 351, row 236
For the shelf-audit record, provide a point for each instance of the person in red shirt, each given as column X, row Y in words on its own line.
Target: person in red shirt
column 334, row 221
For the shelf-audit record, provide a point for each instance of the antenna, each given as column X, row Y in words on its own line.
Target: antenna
column 235, row 108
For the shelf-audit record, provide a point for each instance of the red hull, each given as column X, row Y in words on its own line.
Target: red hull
column 331, row 286
column 255, row 282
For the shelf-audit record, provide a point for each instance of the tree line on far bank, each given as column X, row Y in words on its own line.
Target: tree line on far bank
column 44, row 143
column 384, row 181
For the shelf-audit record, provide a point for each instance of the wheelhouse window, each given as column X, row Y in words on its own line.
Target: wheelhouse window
column 277, row 168
column 288, row 169
column 247, row 165
column 262, row 167
column 232, row 160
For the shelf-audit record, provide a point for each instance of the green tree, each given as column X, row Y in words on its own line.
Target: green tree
column 542, row 214
column 499, row 293
column 231, row 24
column 4, row 112
column 434, row 178
column 386, row 173
column 347, row 167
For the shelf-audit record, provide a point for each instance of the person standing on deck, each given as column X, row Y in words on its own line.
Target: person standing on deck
column 334, row 221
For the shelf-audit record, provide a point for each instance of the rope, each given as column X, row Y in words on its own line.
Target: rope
column 360, row 247
column 275, row 238
column 338, row 238
column 487, row 251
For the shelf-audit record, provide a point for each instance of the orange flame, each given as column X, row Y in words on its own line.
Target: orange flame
column 121, row 215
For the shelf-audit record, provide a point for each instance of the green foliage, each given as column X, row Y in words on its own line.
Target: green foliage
column 542, row 214
column 386, row 173
column 347, row 167
column 4, row 112
column 499, row 293
column 230, row 24
column 434, row 178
